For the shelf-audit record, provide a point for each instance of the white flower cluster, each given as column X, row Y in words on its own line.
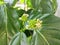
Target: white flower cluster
column 37, row 24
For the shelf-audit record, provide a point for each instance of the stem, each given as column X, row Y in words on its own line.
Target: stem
column 6, row 25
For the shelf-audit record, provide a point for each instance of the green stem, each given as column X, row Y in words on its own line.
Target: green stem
column 6, row 25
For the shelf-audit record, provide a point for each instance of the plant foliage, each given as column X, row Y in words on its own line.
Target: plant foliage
column 36, row 26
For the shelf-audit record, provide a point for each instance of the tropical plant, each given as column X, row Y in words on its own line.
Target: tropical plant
column 36, row 26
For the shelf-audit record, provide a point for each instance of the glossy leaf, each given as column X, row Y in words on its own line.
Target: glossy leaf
column 43, row 10
column 39, row 39
column 51, row 29
column 49, row 34
column 8, row 23
column 19, row 39
column 46, row 6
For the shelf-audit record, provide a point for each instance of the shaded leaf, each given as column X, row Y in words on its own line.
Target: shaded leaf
column 8, row 23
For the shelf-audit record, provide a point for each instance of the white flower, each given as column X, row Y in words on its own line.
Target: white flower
column 20, row 18
column 39, row 23
column 26, row 15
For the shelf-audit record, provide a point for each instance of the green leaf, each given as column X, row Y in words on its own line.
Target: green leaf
column 46, row 6
column 9, row 24
column 19, row 39
column 51, row 21
column 54, row 5
column 38, row 39
column 29, row 3
column 22, row 1
column 1, row 2
column 3, row 39
column 35, row 14
column 51, row 29
column 35, row 3
column 14, row 2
